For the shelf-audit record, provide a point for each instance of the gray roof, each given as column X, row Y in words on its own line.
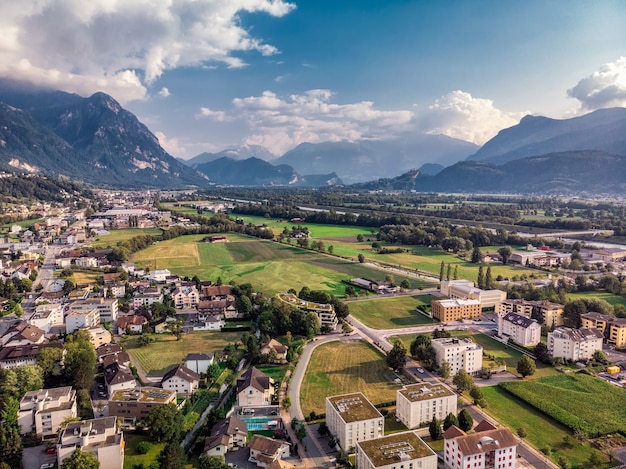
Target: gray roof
column 519, row 320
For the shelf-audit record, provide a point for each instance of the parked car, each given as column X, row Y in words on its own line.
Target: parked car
column 51, row 450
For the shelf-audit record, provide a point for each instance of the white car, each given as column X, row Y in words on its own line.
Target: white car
column 47, row 465
column 420, row 370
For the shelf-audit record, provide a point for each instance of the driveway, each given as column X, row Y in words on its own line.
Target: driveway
column 35, row 456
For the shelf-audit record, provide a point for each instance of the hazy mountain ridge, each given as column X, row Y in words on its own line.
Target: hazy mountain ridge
column 240, row 153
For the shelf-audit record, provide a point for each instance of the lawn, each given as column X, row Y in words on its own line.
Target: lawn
column 598, row 295
column 389, row 313
column 166, row 352
column 116, row 236
column 340, row 368
column 585, row 402
column 542, row 430
column 132, row 456
column 276, row 372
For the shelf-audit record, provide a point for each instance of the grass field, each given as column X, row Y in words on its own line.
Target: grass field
column 116, row 236
column 166, row 352
column 606, row 296
column 132, row 456
column 276, row 372
column 542, row 430
column 389, row 313
column 340, row 368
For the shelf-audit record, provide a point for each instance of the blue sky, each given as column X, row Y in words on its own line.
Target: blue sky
column 206, row 75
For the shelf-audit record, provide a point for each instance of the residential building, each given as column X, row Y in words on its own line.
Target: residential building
column 22, row 333
column 400, row 450
column 226, row 435
column 87, row 262
column 100, row 437
column 419, row 403
column 47, row 316
column 254, row 389
column 118, row 377
column 264, row 451
column 11, row 357
column 487, row 448
column 275, row 351
column 181, row 380
column 546, row 313
column 351, row 418
column 136, row 404
column 199, row 362
column 465, row 289
column 520, row 329
column 215, row 292
column 130, row 324
column 459, row 353
column 146, row 299
column 107, row 307
column 80, row 318
column 613, row 329
column 454, row 310
column 326, row 312
column 44, row 411
column 99, row 336
column 185, row 297
column 574, row 344
column 106, row 350
column 209, row 323
column 158, row 275
column 114, row 289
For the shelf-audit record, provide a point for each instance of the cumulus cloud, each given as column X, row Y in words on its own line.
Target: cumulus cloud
column 164, row 92
column 218, row 116
column 171, row 145
column 280, row 123
column 122, row 47
column 458, row 114
column 606, row 87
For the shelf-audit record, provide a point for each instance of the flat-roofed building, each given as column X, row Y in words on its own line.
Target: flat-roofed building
column 574, row 344
column 80, row 318
column 464, row 289
column 99, row 336
column 419, row 403
column 351, row 418
column 325, row 311
column 44, row 411
column 613, row 329
column 136, row 404
column 546, row 313
column 521, row 329
column 108, row 308
column 47, row 316
column 454, row 310
column 400, row 450
column 100, row 437
column 461, row 354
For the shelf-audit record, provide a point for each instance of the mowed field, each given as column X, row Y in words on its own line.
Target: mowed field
column 116, row 236
column 346, row 367
column 390, row 313
column 166, row 352
column 271, row 267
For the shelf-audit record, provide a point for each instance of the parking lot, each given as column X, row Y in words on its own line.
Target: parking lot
column 35, row 456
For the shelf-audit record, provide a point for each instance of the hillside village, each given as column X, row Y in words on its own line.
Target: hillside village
column 68, row 339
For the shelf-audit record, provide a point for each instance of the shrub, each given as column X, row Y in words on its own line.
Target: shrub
column 144, row 447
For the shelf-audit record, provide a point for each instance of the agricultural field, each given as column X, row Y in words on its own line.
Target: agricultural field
column 116, row 236
column 339, row 368
column 610, row 298
column 165, row 352
column 389, row 313
column 585, row 402
column 542, row 430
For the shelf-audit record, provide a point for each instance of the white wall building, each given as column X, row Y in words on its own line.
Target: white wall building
column 574, row 344
column 466, row 289
column 401, row 450
column 79, row 318
column 47, row 316
column 459, row 353
column 44, row 411
column 100, row 437
column 199, row 362
column 108, row 308
column 520, row 329
column 419, row 403
column 352, row 418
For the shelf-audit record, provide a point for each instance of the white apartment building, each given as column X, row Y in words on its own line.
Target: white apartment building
column 100, row 437
column 552, row 313
column 185, row 297
column 47, row 316
column 158, row 275
column 107, row 307
column 44, row 411
column 464, row 289
column 401, row 450
column 459, row 353
column 80, row 318
column 181, row 379
column 352, row 418
column 574, row 344
column 147, row 299
column 419, row 403
column 520, row 329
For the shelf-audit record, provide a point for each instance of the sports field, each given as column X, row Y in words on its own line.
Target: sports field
column 389, row 313
column 345, row 367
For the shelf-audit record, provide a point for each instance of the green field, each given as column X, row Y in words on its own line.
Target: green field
column 116, row 236
column 598, row 295
column 166, row 352
column 340, row 368
column 132, row 456
column 585, row 402
column 542, row 430
column 389, row 313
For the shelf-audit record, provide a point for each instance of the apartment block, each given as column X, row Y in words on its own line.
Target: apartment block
column 464, row 289
column 352, row 418
column 398, row 451
column 81, row 318
column 613, row 329
column 44, row 411
column 136, row 404
column 461, row 354
column 455, row 310
column 551, row 313
column 108, row 308
column 574, row 344
column 520, row 329
column 100, row 437
column 419, row 403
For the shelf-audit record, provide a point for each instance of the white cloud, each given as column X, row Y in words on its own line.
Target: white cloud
column 164, row 92
column 458, row 114
column 122, row 47
column 218, row 116
column 606, row 87
column 171, row 145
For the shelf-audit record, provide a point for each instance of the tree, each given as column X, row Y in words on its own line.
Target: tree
column 244, row 305
column 505, row 253
column 564, row 463
column 463, row 381
column 330, row 249
column 359, row 238
column 521, row 432
column 81, row 460
column 396, row 357
column 313, row 325
column 173, row 456
column 80, row 360
column 448, row 272
column 444, row 369
column 488, row 279
column 600, row 357
column 361, row 258
column 212, row 462
column 466, row 422
column 476, row 394
column 405, row 285
column 286, row 403
column 441, row 270
column 450, row 420
column 435, row 428
column 455, row 275
column 542, row 354
column 526, row 366
column 476, row 255
column 213, row 371
column 481, row 278
column 10, row 438
column 594, row 459
column 165, row 422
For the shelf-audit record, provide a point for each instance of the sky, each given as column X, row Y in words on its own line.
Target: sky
column 205, row 75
